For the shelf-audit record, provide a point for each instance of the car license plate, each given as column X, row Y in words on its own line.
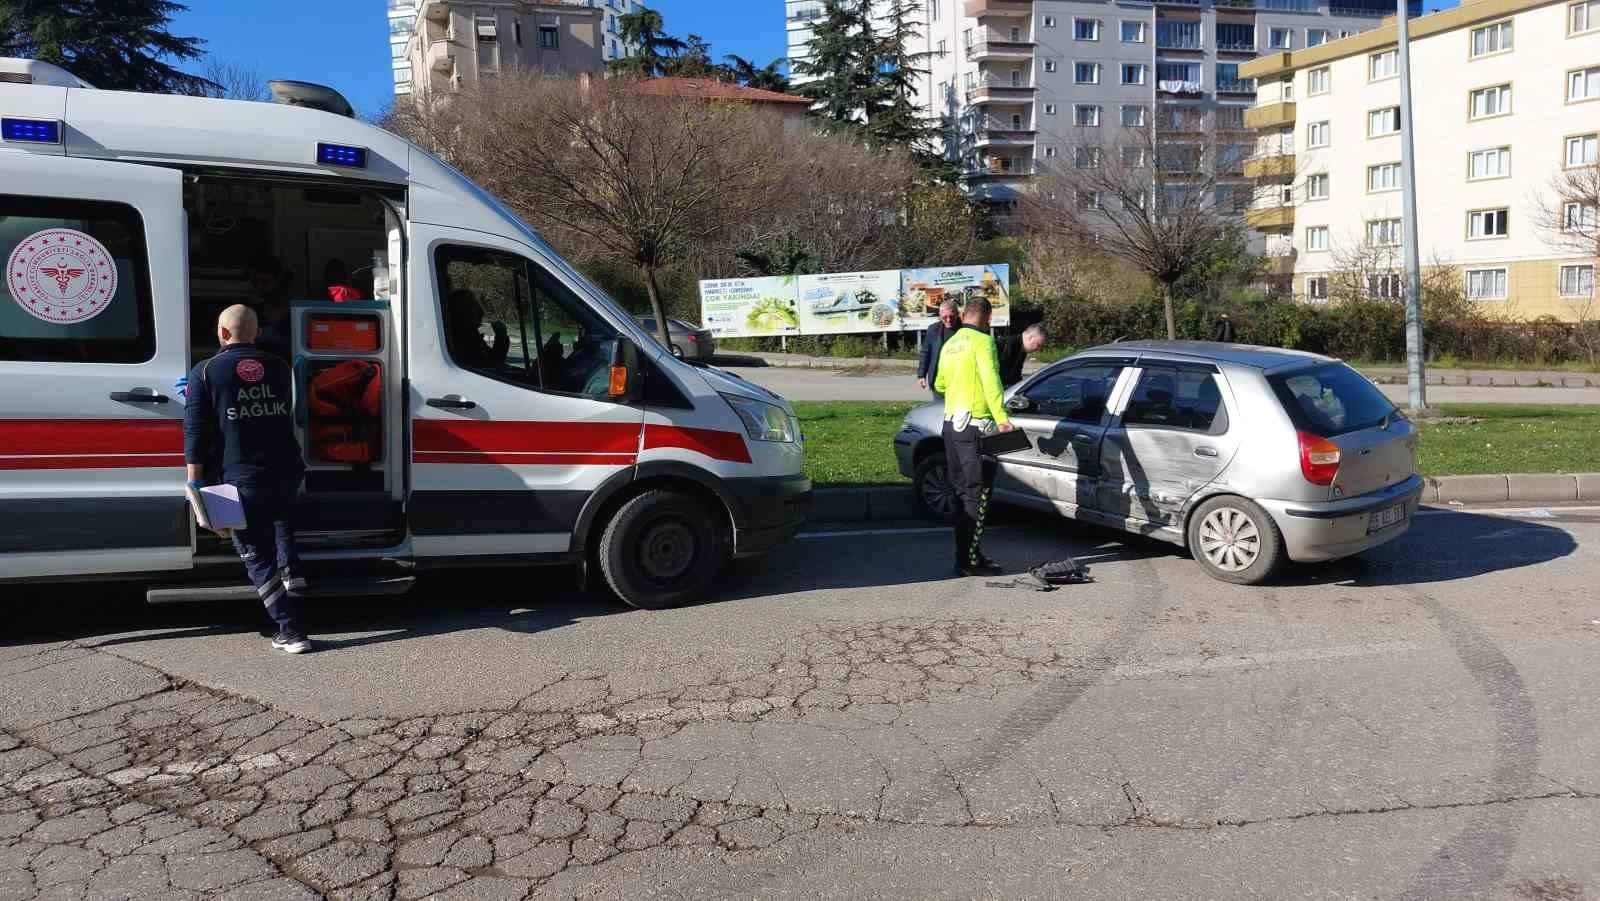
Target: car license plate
column 1386, row 518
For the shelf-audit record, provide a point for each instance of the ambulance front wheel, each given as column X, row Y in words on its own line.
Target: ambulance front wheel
column 661, row 549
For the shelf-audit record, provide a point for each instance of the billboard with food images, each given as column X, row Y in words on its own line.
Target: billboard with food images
column 749, row 307
column 844, row 302
column 923, row 290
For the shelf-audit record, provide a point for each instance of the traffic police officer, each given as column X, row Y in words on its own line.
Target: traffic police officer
column 238, row 411
column 969, row 379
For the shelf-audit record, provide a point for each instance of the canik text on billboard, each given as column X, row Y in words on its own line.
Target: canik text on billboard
column 886, row 300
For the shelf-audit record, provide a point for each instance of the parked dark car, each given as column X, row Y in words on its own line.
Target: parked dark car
column 687, row 341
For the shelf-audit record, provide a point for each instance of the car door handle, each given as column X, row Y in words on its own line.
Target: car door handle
column 1204, row 451
column 1081, row 438
column 452, row 402
column 139, row 397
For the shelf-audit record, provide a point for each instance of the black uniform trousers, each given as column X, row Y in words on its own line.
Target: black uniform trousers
column 972, row 477
column 266, row 545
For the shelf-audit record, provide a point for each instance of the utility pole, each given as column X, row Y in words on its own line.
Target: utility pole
column 1416, row 385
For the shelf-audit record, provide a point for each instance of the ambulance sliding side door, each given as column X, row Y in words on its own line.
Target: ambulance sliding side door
column 93, row 336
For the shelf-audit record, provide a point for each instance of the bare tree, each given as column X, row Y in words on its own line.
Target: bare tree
column 1153, row 204
column 1567, row 213
column 233, row 81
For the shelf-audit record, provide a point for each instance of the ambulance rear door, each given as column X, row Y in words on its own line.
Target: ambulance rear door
column 93, row 337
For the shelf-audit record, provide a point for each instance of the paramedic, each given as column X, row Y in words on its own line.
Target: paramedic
column 238, row 411
column 466, row 342
column 969, row 378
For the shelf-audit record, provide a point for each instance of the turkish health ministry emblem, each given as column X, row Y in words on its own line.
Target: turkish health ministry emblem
column 61, row 275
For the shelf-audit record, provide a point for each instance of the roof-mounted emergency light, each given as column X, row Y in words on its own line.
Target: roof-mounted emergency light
column 342, row 155
column 31, row 131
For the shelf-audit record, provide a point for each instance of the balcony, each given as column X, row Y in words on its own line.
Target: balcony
column 1270, row 218
column 983, row 50
column 1278, row 265
column 1274, row 165
column 1236, row 47
column 977, row 9
column 1001, row 92
column 1005, row 169
column 1177, row 43
column 1237, row 86
column 1234, row 4
column 1012, row 137
column 1271, row 115
column 435, row 10
column 441, row 57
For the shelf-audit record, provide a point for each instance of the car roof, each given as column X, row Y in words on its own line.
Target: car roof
column 1264, row 358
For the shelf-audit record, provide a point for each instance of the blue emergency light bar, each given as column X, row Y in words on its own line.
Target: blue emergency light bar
column 341, row 155
column 31, row 131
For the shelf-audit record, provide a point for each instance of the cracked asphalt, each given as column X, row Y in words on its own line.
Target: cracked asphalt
column 844, row 720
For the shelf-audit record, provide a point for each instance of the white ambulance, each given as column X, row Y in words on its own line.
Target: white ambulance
column 478, row 403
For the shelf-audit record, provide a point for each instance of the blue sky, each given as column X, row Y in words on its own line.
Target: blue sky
column 344, row 43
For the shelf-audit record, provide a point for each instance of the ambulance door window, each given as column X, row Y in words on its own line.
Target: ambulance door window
column 577, row 343
column 488, row 314
column 77, row 282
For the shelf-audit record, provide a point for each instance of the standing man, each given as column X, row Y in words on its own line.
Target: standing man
column 1225, row 331
column 1013, row 351
column 969, row 379
column 237, row 409
column 932, row 342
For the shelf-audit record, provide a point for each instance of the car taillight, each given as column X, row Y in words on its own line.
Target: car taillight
column 1319, row 459
column 694, row 337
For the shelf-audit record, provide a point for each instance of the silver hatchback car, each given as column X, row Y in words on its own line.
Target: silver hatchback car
column 1246, row 456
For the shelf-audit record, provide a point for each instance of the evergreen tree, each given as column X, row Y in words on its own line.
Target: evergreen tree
column 653, row 50
column 694, row 61
column 120, row 45
column 843, row 65
column 768, row 78
column 895, row 120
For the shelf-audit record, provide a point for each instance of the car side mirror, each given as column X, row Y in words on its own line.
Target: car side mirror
column 1019, row 404
column 626, row 384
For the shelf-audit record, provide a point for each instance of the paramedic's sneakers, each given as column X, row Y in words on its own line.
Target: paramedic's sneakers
column 291, row 643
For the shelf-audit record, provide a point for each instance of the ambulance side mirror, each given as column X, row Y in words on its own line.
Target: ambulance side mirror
column 626, row 383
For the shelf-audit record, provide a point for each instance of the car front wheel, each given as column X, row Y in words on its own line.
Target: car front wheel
column 1234, row 540
column 662, row 549
column 936, row 496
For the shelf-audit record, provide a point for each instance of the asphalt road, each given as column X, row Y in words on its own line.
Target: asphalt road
column 844, row 720
column 825, row 384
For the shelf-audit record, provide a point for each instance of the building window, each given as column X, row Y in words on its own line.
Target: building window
column 1086, row 115
column 1086, row 73
column 1086, row 29
column 1578, row 217
column 1581, row 150
column 1133, row 157
column 1384, row 121
column 1496, row 101
column 1050, row 152
column 1584, row 84
column 1386, row 286
column 1133, row 73
column 1317, row 287
column 1383, row 232
column 1583, row 17
column 1236, row 36
column 1049, row 21
column 1050, row 65
column 1319, row 81
column 1316, row 37
column 1489, row 39
column 1489, row 223
column 1317, row 187
column 1383, row 177
column 1049, row 109
column 1319, row 134
column 944, row 48
column 1317, row 238
column 1577, row 281
column 516, row 31
column 933, row 10
column 1178, row 35
column 1132, row 32
column 1383, row 65
column 1090, row 200
column 1228, row 79
column 549, row 37
column 1134, row 116
column 1486, row 284
column 1086, row 157
column 1280, row 38
column 1492, row 163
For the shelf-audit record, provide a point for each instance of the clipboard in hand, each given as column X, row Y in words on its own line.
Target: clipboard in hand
column 1005, row 443
column 221, row 506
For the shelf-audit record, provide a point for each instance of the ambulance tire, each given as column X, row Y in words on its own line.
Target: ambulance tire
column 661, row 549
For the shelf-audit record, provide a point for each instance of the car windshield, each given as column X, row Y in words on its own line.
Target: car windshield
column 1331, row 400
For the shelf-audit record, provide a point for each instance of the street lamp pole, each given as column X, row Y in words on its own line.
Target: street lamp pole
column 1415, row 377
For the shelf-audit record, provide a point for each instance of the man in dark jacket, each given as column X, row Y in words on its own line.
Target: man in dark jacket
column 932, row 342
column 1225, row 331
column 237, row 410
column 1013, row 351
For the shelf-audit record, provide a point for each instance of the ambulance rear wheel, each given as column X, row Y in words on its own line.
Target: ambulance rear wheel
column 661, row 549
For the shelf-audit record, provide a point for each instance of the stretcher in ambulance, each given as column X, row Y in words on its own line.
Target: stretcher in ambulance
column 480, row 403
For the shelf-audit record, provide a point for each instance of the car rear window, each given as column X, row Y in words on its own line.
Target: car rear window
column 1330, row 400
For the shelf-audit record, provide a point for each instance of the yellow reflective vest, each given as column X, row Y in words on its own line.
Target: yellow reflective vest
column 969, row 376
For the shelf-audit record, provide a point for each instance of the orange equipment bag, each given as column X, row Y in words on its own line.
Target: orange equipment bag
column 346, row 406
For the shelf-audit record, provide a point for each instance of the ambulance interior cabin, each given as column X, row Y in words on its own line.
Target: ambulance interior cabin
column 329, row 314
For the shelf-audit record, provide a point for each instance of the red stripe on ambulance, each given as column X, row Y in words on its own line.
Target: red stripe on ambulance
column 32, row 444
column 714, row 443
column 562, row 443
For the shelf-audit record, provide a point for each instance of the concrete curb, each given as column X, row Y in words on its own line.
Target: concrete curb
column 895, row 502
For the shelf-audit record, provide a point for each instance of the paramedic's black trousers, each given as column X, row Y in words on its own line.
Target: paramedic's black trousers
column 266, row 545
column 972, row 477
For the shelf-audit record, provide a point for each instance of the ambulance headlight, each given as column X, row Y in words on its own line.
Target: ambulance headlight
column 762, row 421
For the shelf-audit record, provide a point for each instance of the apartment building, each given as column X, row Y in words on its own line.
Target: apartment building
column 1505, row 99
column 1023, row 84
column 454, row 43
column 799, row 16
column 403, row 21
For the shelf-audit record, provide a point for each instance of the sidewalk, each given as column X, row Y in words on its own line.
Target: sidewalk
column 1383, row 375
